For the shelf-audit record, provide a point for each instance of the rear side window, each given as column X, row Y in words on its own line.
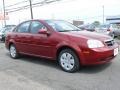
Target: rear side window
column 36, row 26
column 24, row 27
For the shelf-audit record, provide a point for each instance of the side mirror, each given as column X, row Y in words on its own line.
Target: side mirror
column 44, row 31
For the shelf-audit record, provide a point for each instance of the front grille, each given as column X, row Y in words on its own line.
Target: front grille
column 110, row 42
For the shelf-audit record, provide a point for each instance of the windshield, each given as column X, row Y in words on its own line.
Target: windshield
column 5, row 30
column 2, row 30
column 62, row 26
column 117, row 26
column 112, row 26
column 104, row 26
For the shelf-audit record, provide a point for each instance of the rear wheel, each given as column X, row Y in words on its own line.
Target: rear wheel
column 68, row 60
column 13, row 52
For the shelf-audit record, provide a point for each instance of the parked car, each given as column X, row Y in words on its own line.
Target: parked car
column 5, row 30
column 112, row 30
column 61, row 41
column 88, row 27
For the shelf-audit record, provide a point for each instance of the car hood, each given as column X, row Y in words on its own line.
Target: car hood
column 88, row 35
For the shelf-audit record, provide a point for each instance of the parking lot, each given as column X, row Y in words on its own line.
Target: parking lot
column 75, row 32
column 30, row 73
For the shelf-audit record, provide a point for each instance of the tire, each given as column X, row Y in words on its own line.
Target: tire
column 66, row 64
column 13, row 52
column 113, row 35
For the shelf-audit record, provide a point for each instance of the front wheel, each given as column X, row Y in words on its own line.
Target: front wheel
column 13, row 51
column 68, row 60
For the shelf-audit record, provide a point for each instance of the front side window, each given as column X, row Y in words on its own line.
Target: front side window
column 24, row 27
column 36, row 26
column 62, row 26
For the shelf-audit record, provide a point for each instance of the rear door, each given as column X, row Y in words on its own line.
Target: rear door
column 21, row 37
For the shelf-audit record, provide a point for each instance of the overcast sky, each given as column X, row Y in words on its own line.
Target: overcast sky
column 87, row 10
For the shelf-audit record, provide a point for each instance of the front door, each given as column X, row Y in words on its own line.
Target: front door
column 40, row 43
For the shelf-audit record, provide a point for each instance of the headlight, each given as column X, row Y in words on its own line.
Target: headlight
column 94, row 43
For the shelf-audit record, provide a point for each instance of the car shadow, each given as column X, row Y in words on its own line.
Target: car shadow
column 2, row 42
column 39, row 61
column 54, row 64
column 95, row 68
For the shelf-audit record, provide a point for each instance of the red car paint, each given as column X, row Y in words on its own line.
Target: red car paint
column 48, row 46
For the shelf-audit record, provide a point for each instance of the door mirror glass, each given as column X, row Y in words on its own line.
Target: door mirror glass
column 44, row 31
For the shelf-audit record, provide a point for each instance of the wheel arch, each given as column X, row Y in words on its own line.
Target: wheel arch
column 67, row 47
column 10, row 43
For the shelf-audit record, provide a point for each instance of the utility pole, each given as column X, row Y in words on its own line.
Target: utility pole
column 103, row 13
column 4, row 13
column 31, row 11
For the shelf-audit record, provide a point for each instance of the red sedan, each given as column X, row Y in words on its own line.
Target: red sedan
column 61, row 41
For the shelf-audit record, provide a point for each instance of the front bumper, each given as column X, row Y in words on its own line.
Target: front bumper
column 99, row 55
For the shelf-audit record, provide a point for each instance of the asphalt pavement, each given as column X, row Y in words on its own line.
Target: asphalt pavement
column 31, row 73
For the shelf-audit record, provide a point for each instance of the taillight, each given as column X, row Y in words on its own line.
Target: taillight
column 108, row 30
column 94, row 30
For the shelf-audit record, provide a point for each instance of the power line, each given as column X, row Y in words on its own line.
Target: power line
column 16, row 3
column 28, row 6
column 37, row 4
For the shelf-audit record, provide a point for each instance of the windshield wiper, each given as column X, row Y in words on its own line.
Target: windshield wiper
column 65, row 31
column 76, row 30
column 70, row 30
